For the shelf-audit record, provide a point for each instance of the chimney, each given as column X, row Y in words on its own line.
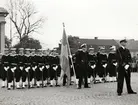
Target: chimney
column 95, row 38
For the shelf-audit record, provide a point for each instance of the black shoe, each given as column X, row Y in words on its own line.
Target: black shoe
column 57, row 85
column 45, row 86
column 79, row 88
column 94, row 82
column 23, row 87
column 38, row 86
column 132, row 92
column 119, row 94
column 3, row 87
column 87, row 87
column 9, row 88
column 51, row 85
column 48, row 83
column 18, row 88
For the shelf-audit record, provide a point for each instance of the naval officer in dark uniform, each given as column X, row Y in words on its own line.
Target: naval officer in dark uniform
column 112, row 64
column 82, row 62
column 5, row 66
column 92, row 61
column 124, row 59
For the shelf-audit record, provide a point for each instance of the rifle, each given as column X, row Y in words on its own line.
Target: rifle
column 56, row 77
column 7, row 77
column 104, row 74
column 94, row 75
column 42, row 79
column 28, row 79
column 13, row 80
column 35, row 77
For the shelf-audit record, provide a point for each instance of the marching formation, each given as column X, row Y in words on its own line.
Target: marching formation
column 34, row 68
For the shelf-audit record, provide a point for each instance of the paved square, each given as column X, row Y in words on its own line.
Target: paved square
column 98, row 94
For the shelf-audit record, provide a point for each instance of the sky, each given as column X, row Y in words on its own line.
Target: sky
column 105, row 19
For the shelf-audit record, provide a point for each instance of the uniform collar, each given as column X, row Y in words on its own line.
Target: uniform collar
column 123, row 47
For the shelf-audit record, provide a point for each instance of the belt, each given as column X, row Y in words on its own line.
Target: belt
column 114, row 61
column 6, row 62
column 13, row 63
column 41, row 63
column 28, row 63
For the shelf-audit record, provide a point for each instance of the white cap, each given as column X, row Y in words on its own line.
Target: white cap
column 21, row 48
column 13, row 49
column 113, row 47
column 27, row 49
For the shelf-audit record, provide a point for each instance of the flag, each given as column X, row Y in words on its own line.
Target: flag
column 64, row 57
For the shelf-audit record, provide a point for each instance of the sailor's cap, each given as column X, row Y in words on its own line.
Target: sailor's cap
column 102, row 48
column 39, row 49
column 83, row 45
column 21, row 49
column 124, row 40
column 13, row 49
column 91, row 48
column 32, row 49
column 112, row 47
column 27, row 49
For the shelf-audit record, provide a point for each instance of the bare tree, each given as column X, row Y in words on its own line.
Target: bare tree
column 23, row 15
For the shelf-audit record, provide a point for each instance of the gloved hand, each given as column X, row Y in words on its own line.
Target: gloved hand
column 27, row 69
column 70, row 56
column 126, row 66
column 12, row 69
column 33, row 68
column 55, row 67
column 21, row 67
column 93, row 66
column 115, row 64
column 40, row 69
column 6, row 68
column 71, row 66
column 105, row 65
column 47, row 66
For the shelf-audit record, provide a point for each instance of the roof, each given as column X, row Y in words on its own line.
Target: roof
column 103, row 42
column 3, row 11
column 133, row 45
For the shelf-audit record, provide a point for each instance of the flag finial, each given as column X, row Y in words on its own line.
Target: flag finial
column 63, row 25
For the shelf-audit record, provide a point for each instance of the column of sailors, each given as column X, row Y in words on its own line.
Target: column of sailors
column 29, row 69
column 34, row 68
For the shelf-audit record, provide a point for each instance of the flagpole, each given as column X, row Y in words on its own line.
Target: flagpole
column 70, row 54
column 71, row 59
column 68, row 77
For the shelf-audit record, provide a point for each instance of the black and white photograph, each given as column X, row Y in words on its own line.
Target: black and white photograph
column 68, row 52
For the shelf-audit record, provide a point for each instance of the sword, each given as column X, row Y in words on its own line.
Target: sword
column 13, row 80
column 94, row 75
column 28, row 79
column 42, row 79
column 7, row 77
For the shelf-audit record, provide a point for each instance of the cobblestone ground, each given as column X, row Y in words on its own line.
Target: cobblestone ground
column 98, row 94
